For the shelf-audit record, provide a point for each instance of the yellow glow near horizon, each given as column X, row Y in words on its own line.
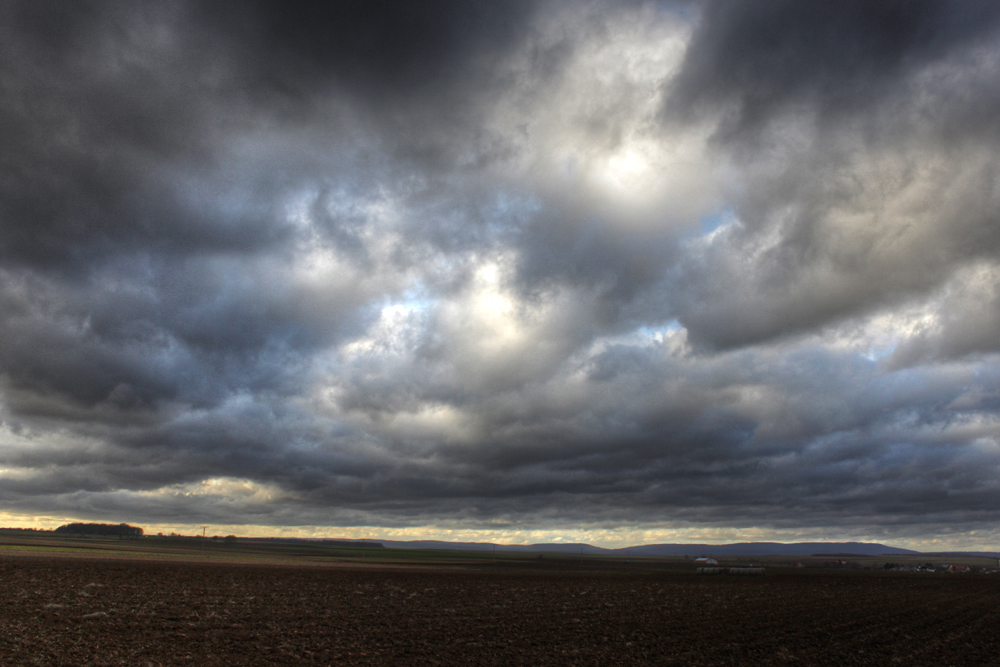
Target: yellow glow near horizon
column 41, row 522
column 599, row 537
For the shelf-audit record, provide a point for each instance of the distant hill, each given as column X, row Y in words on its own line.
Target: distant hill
column 489, row 546
column 952, row 554
column 367, row 544
column 770, row 549
column 741, row 549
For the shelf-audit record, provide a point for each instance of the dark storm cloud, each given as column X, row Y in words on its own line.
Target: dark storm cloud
column 866, row 134
column 147, row 245
column 388, row 47
column 123, row 189
column 519, row 264
column 754, row 60
column 114, row 111
column 90, row 116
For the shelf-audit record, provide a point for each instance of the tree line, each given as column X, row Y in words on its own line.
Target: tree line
column 102, row 529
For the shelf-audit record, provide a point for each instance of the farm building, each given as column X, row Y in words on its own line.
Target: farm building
column 705, row 561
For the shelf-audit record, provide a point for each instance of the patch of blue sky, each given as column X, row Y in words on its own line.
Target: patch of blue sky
column 713, row 221
column 416, row 298
column 506, row 203
column 510, row 210
column 672, row 7
column 647, row 334
column 651, row 331
column 878, row 353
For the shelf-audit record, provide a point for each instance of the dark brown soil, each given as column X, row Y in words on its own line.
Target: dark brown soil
column 101, row 612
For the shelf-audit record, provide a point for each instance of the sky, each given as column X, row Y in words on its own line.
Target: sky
column 520, row 271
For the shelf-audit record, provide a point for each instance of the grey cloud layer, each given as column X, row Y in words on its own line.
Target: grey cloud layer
column 866, row 134
column 521, row 264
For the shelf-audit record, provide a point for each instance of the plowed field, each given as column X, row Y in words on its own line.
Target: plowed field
column 105, row 612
